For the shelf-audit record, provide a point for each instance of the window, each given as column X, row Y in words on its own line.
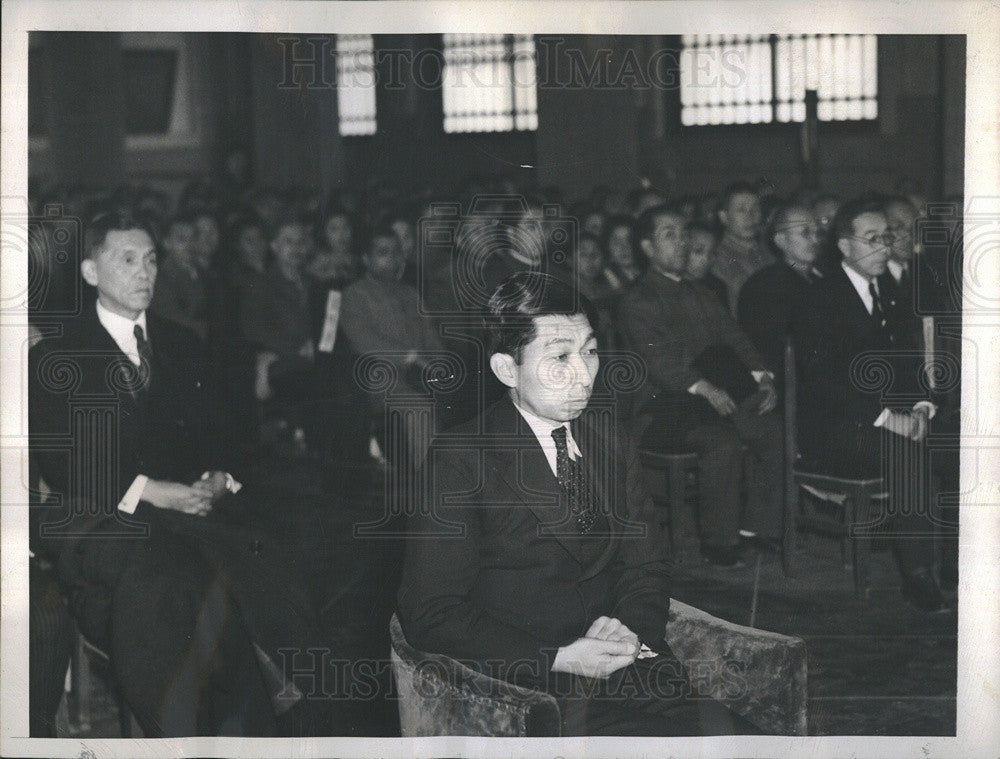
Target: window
column 752, row 79
column 356, row 84
column 158, row 77
column 489, row 83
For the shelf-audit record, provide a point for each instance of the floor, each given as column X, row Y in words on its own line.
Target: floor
column 875, row 667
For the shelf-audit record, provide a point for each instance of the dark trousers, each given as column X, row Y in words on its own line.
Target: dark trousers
column 691, row 425
column 185, row 615
column 50, row 635
column 858, row 450
column 651, row 697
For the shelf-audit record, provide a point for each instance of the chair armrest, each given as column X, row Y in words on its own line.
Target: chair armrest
column 760, row 675
column 441, row 696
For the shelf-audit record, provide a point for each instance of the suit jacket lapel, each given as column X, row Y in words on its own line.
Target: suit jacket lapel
column 593, row 434
column 528, row 474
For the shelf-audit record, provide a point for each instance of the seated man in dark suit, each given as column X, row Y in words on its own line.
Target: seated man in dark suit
column 771, row 299
column 191, row 609
column 707, row 390
column 537, row 556
column 849, row 428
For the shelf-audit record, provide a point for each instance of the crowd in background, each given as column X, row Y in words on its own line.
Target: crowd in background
column 288, row 289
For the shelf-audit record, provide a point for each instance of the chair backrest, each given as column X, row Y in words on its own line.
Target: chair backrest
column 791, row 441
column 438, row 695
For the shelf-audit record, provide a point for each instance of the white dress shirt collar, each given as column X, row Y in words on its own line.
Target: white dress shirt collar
column 543, row 432
column 860, row 283
column 122, row 331
column 896, row 269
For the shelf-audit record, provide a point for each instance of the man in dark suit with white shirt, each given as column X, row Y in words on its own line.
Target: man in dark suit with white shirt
column 535, row 554
column 862, row 409
column 191, row 609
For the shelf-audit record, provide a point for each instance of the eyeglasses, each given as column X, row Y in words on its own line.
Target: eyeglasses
column 886, row 238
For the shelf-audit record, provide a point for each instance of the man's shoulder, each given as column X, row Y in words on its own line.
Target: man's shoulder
column 165, row 332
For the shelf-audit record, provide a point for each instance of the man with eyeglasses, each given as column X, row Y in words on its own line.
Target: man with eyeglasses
column 771, row 299
column 862, row 412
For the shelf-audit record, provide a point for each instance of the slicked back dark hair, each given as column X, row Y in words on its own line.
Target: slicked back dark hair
column 121, row 219
column 843, row 223
column 511, row 311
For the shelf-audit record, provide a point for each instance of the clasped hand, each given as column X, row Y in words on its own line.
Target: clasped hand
column 607, row 646
column 196, row 498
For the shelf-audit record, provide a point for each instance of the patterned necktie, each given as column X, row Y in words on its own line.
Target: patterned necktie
column 571, row 476
column 145, row 358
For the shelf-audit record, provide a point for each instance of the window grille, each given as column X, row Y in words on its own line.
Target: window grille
column 751, row 79
column 489, row 83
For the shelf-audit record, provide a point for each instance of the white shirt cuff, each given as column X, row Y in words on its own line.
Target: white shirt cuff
column 929, row 407
column 132, row 496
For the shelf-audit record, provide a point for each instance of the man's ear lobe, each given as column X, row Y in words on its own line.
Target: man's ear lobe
column 89, row 271
column 504, row 368
column 646, row 247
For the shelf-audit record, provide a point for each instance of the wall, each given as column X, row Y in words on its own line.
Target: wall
column 585, row 137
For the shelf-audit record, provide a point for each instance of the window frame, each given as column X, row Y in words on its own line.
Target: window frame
column 860, row 127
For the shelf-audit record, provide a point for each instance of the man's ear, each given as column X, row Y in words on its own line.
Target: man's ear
column 646, row 246
column 844, row 245
column 89, row 271
column 505, row 368
column 723, row 217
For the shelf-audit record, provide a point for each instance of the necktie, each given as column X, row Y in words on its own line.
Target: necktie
column 571, row 476
column 145, row 357
column 878, row 313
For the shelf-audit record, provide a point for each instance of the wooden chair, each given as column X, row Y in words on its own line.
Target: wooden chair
column 441, row 696
column 847, row 503
column 80, row 695
column 669, row 479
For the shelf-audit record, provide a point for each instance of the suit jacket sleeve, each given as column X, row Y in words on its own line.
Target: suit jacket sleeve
column 762, row 317
column 436, row 604
column 643, row 586
column 657, row 335
column 733, row 336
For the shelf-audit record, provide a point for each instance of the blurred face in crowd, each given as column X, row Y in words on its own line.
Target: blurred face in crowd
column 290, row 247
column 555, row 376
column 593, row 223
column 527, row 239
column 384, row 260
column 252, row 247
column 741, row 216
column 407, row 238
column 123, row 270
column 825, row 211
column 902, row 218
column 337, row 232
column 206, row 240
column 665, row 246
column 181, row 242
column 620, row 246
column 798, row 237
column 700, row 246
column 867, row 249
column 589, row 260
column 647, row 200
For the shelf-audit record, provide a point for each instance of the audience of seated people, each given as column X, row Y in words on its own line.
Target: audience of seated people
column 274, row 284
